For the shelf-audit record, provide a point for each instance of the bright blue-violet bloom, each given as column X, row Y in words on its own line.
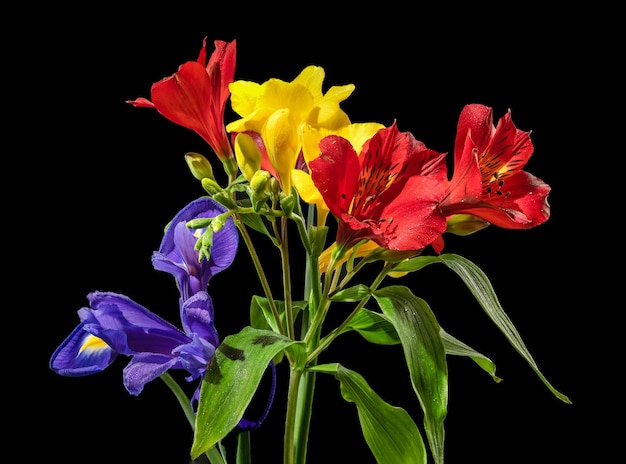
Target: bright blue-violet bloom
column 113, row 324
column 178, row 256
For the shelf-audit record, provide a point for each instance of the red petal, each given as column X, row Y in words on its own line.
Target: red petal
column 335, row 173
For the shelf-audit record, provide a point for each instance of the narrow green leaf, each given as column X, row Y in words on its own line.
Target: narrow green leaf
column 481, row 288
column 356, row 293
column 456, row 347
column 415, row 264
column 231, row 380
column 425, row 356
column 374, row 327
column 261, row 316
column 389, row 431
column 255, row 221
column 330, row 368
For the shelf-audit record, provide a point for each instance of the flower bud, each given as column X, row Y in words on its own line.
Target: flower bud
column 225, row 199
column 199, row 166
column 259, row 181
column 211, row 186
column 219, row 221
column 465, row 224
column 287, row 204
column 199, row 223
column 248, row 155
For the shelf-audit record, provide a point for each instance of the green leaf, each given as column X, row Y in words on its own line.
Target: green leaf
column 231, row 380
column 330, row 368
column 425, row 356
column 374, row 327
column 389, row 431
column 356, row 293
column 261, row 316
column 456, row 347
column 255, row 221
column 481, row 288
column 415, row 264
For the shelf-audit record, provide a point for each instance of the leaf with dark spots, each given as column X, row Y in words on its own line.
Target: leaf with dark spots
column 231, row 353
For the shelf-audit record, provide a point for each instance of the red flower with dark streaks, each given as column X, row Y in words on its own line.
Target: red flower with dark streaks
column 488, row 181
column 388, row 194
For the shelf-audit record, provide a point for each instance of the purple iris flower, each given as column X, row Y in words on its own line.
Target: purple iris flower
column 113, row 324
column 178, row 256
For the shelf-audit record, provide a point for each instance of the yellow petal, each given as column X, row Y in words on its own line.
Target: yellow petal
column 329, row 114
column 243, row 96
column 359, row 133
column 295, row 97
column 312, row 77
column 280, row 135
column 248, row 155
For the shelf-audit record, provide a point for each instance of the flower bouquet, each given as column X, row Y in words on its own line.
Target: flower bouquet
column 296, row 171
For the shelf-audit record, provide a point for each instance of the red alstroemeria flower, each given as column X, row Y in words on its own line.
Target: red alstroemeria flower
column 488, row 181
column 388, row 194
column 195, row 96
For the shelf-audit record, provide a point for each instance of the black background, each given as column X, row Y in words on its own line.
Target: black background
column 100, row 180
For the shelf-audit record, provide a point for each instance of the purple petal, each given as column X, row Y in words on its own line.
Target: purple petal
column 145, row 367
column 177, row 254
column 81, row 353
column 128, row 327
column 195, row 356
column 197, row 317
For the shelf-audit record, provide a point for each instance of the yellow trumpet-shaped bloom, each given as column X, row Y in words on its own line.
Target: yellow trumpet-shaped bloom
column 278, row 110
column 280, row 135
column 303, row 96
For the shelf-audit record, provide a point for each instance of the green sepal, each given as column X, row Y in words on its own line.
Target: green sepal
column 231, row 380
column 425, row 356
column 317, row 237
column 390, row 432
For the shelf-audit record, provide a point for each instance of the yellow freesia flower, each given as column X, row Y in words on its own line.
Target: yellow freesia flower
column 277, row 110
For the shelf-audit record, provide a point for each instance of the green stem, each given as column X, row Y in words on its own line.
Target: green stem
column 259, row 269
column 212, row 454
column 312, row 289
column 327, row 340
column 284, row 253
column 244, row 454
column 322, row 309
column 290, row 417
